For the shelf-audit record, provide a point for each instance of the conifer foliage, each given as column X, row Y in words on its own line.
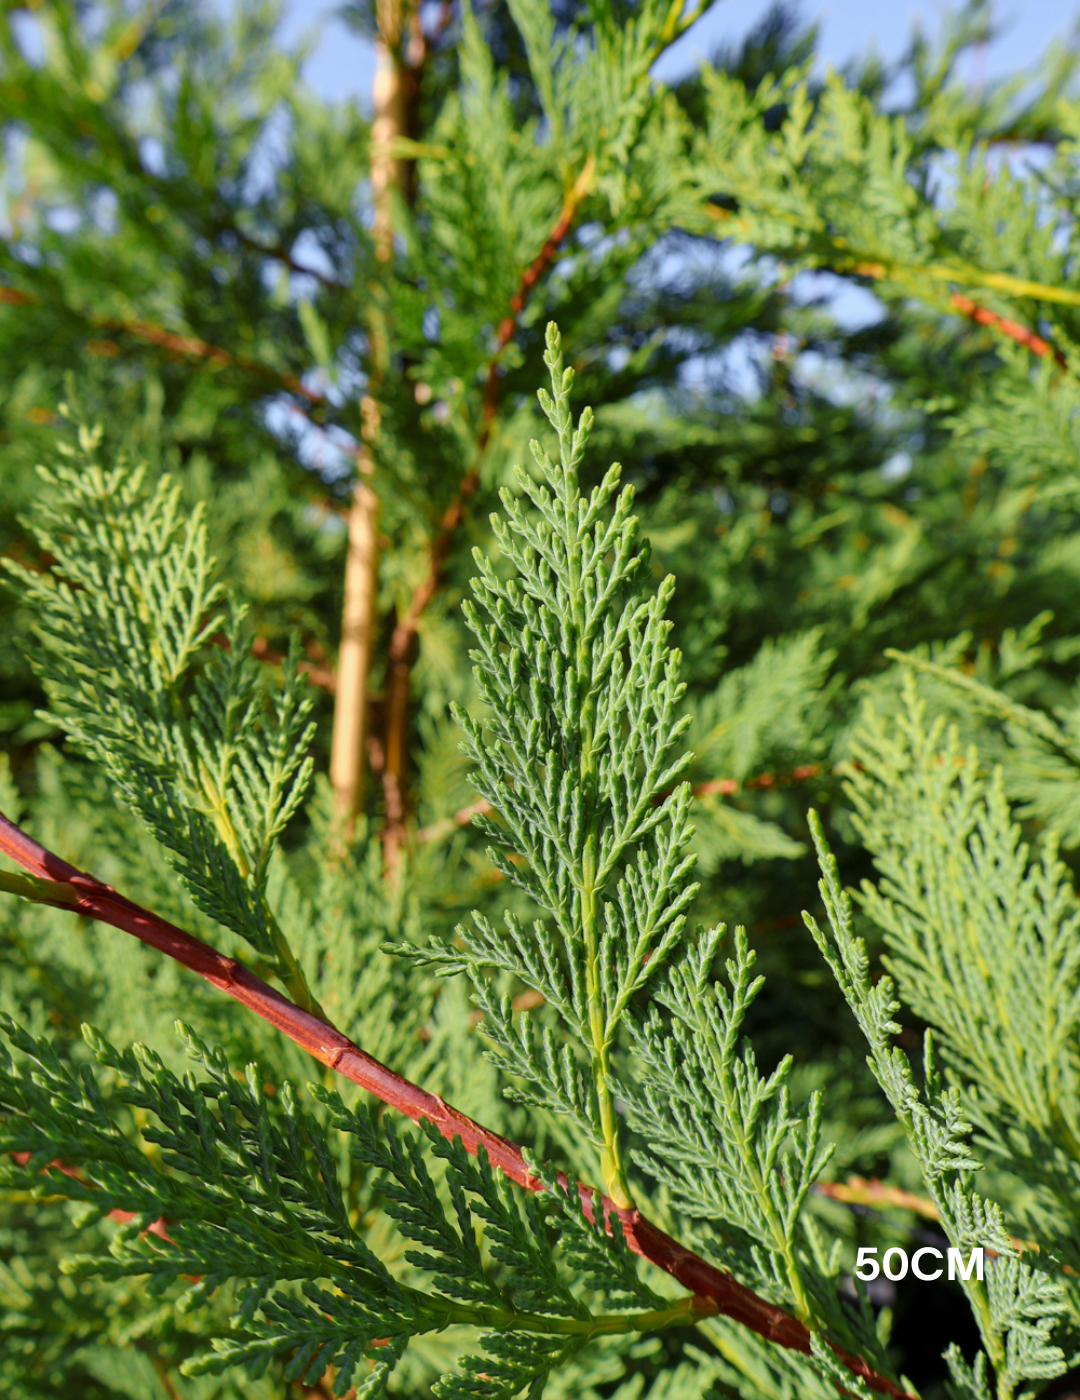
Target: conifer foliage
column 263, row 1206
column 506, row 1064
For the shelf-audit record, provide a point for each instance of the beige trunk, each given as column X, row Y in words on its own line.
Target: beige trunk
column 392, row 88
column 358, row 624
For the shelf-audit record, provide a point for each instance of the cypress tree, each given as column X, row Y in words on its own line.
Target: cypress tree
column 449, row 761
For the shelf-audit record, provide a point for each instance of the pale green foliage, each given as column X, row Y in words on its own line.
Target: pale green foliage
column 577, row 755
column 965, row 908
column 493, row 187
column 770, row 713
column 841, row 181
column 1017, row 1306
column 1026, row 421
column 772, row 707
column 723, row 831
column 984, row 947
column 844, row 185
column 1039, row 753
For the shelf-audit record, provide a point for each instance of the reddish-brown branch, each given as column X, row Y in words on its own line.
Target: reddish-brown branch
column 983, row 316
column 403, row 640
column 973, row 310
column 529, row 278
column 166, row 1380
column 719, row 1292
column 194, row 348
column 190, row 346
column 317, row 673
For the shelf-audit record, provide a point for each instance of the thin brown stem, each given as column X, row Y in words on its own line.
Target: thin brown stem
column 983, row 316
column 176, row 343
column 318, row 674
column 281, row 254
column 921, row 281
column 403, row 641
column 874, row 1195
column 67, row 887
column 163, row 1376
column 860, row 1191
column 529, row 278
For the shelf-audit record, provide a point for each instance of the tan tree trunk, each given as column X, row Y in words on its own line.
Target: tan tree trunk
column 394, row 89
column 358, row 623
column 393, row 94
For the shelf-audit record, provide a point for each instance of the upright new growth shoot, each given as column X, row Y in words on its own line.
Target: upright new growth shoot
column 576, row 754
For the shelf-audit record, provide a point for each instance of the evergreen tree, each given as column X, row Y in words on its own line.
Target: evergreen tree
column 302, row 368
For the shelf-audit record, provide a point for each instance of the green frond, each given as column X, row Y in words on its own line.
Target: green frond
column 1018, row 1306
column 154, row 682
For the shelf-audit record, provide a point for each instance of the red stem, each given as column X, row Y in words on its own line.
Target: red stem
column 401, row 652
column 719, row 1291
column 983, row 316
column 529, row 279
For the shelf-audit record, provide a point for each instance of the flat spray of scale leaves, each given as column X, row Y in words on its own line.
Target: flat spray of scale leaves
column 577, row 755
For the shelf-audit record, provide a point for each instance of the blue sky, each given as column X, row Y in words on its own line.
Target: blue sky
column 342, row 64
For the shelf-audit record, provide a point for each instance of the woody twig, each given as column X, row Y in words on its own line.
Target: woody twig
column 402, row 650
